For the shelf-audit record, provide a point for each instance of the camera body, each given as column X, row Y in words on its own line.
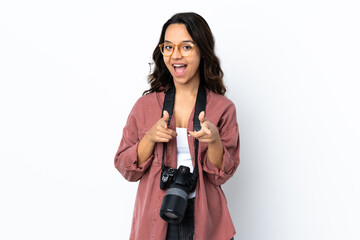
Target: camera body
column 181, row 176
column 167, row 177
column 180, row 182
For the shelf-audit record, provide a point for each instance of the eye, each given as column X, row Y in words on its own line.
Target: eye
column 168, row 47
column 187, row 47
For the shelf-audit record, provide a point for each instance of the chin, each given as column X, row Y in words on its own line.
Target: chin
column 181, row 80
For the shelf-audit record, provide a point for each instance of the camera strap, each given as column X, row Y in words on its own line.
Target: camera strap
column 200, row 106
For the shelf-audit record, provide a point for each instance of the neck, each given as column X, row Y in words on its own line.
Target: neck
column 190, row 88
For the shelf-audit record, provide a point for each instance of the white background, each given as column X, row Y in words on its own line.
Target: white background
column 71, row 71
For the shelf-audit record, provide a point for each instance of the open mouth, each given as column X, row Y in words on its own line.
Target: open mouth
column 179, row 68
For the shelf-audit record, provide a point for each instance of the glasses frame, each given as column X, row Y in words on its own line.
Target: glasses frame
column 177, row 46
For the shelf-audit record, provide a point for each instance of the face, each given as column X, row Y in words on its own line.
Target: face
column 184, row 70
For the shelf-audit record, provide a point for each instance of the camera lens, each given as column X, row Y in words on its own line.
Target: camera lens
column 174, row 204
column 170, row 215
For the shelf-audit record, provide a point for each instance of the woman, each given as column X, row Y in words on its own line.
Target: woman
column 184, row 59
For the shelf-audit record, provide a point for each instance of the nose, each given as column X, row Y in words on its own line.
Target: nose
column 176, row 54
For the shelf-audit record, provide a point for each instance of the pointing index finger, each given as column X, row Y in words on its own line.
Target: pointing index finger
column 197, row 134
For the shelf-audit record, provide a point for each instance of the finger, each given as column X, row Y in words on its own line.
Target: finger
column 206, row 140
column 162, row 139
column 165, row 116
column 205, row 128
column 166, row 130
column 203, row 135
column 165, row 135
column 172, row 133
column 198, row 134
column 165, row 119
column 191, row 133
column 202, row 117
column 162, row 124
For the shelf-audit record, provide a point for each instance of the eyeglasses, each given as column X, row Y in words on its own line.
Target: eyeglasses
column 185, row 48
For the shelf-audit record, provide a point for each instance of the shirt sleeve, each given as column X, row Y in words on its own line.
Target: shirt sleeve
column 126, row 156
column 229, row 134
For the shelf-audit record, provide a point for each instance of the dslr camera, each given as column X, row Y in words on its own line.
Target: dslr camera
column 180, row 182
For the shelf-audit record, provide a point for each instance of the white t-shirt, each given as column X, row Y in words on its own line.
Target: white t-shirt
column 183, row 152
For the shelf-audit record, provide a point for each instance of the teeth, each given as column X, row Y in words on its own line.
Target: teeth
column 177, row 65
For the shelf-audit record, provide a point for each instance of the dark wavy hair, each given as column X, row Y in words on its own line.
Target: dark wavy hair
column 210, row 71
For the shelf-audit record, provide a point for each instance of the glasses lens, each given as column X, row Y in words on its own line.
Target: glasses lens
column 167, row 49
column 185, row 49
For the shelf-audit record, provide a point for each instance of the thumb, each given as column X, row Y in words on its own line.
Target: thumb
column 165, row 118
column 202, row 117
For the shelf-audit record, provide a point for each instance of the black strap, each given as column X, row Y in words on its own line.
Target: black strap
column 200, row 106
column 169, row 107
column 169, row 103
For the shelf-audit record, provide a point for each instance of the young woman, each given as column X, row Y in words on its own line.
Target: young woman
column 184, row 60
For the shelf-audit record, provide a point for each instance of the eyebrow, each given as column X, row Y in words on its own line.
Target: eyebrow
column 186, row 41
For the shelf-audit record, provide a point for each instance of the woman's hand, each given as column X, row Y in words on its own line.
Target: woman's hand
column 210, row 134
column 160, row 131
